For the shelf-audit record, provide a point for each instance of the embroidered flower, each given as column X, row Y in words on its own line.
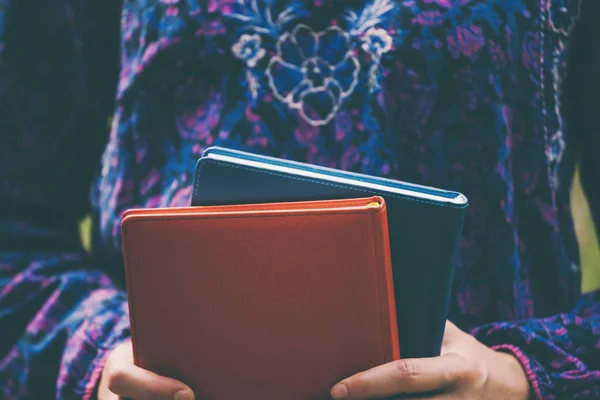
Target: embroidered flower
column 377, row 41
column 563, row 14
column 249, row 49
column 313, row 72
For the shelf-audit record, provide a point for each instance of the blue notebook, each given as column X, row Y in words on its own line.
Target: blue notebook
column 425, row 226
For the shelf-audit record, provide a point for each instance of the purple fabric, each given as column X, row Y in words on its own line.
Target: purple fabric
column 496, row 99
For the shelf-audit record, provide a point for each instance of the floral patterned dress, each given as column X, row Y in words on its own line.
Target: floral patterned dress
column 496, row 99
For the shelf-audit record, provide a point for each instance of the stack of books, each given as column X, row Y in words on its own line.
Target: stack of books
column 283, row 278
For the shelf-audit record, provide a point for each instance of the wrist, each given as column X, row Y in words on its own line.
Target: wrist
column 508, row 379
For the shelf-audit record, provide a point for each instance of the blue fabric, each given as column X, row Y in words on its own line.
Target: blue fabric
column 495, row 99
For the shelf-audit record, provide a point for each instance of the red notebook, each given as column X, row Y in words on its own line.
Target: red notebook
column 269, row 301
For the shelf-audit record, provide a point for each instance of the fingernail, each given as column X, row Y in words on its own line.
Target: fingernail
column 339, row 391
column 184, row 394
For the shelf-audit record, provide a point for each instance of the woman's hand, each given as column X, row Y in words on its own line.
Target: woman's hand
column 466, row 370
column 121, row 378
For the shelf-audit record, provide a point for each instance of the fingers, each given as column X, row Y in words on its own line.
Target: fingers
column 136, row 383
column 121, row 378
column 403, row 376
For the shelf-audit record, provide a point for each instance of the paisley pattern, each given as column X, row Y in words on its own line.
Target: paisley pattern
column 497, row 99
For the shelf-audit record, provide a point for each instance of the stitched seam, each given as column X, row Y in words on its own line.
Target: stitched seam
column 377, row 278
column 130, row 298
column 230, row 216
column 338, row 185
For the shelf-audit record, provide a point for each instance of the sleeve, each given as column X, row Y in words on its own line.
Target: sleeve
column 60, row 316
column 60, row 312
column 561, row 354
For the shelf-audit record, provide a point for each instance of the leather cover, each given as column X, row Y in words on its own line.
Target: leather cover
column 266, row 301
column 425, row 227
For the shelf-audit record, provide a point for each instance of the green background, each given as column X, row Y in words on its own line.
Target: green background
column 588, row 241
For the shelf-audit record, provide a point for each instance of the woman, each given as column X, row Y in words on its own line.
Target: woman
column 494, row 98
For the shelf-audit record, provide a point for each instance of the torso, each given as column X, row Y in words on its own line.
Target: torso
column 458, row 94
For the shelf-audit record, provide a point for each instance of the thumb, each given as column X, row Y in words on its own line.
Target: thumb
column 136, row 383
column 123, row 378
column 402, row 376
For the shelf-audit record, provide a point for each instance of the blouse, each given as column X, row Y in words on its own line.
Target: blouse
column 106, row 106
